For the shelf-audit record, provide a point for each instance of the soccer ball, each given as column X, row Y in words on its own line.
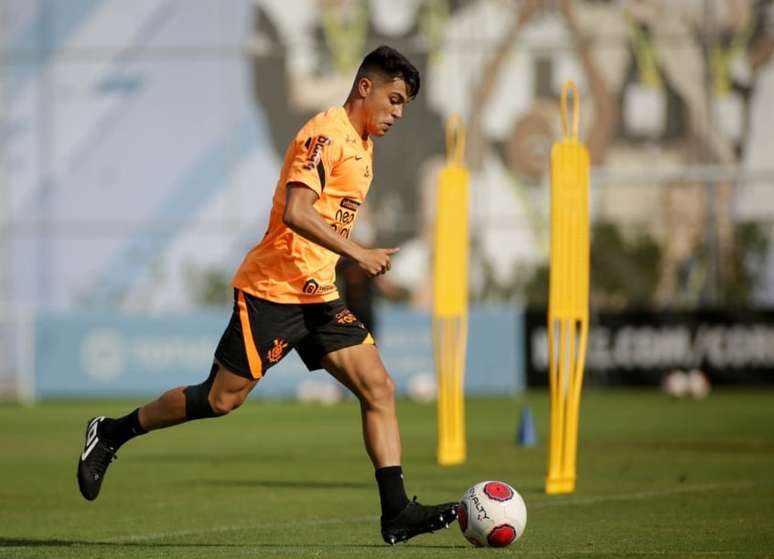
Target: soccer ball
column 698, row 384
column 492, row 514
column 675, row 383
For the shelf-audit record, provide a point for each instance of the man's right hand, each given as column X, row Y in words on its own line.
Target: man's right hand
column 375, row 261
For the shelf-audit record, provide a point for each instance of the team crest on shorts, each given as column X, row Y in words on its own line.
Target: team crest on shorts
column 276, row 352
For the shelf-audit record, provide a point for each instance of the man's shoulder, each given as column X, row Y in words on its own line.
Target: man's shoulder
column 326, row 123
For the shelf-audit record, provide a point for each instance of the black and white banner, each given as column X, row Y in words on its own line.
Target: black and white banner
column 638, row 347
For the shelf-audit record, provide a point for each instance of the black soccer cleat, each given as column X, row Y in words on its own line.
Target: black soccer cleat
column 94, row 460
column 416, row 519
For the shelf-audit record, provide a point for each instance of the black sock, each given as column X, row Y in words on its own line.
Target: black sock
column 391, row 490
column 120, row 430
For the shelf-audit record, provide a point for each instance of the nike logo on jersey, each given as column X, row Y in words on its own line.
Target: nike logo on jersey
column 91, row 437
column 358, row 157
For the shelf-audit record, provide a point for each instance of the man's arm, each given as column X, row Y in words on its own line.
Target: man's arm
column 303, row 219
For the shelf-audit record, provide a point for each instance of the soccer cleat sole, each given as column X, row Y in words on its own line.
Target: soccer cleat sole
column 443, row 521
column 86, row 493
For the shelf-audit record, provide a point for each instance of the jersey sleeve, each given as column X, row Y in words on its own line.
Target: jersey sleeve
column 314, row 156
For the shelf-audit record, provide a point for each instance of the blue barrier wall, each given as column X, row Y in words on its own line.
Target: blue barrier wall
column 102, row 355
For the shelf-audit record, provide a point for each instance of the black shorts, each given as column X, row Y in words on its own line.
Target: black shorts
column 260, row 333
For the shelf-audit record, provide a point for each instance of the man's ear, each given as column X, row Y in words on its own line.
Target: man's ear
column 364, row 86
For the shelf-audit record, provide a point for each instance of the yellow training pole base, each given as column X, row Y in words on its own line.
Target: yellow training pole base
column 560, row 485
column 451, row 456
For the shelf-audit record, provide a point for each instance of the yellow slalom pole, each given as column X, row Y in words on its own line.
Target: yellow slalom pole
column 450, row 295
column 568, row 303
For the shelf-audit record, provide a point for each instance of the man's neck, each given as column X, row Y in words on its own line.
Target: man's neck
column 353, row 108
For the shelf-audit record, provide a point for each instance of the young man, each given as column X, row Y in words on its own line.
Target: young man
column 285, row 297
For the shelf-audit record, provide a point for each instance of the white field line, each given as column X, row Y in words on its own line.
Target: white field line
column 549, row 503
column 233, row 528
column 574, row 501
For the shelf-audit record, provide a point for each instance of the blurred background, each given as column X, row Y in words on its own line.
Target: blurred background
column 140, row 143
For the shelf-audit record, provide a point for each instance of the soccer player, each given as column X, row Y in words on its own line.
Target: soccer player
column 285, row 298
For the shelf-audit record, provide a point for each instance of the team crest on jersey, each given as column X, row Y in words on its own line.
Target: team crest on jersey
column 276, row 352
column 314, row 152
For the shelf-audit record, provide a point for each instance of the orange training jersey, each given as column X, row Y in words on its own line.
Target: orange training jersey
column 328, row 156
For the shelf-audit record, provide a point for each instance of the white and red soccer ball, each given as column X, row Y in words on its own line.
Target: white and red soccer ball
column 492, row 514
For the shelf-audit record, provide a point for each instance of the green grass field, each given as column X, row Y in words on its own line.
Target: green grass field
column 657, row 478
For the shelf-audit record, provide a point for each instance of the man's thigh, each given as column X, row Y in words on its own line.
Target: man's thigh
column 359, row 368
column 227, row 382
column 332, row 327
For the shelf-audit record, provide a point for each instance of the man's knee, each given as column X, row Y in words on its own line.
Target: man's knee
column 213, row 399
column 197, row 398
column 379, row 390
column 223, row 403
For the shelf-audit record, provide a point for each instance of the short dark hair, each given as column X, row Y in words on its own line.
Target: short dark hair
column 389, row 63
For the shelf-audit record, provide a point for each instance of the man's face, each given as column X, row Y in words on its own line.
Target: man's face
column 384, row 102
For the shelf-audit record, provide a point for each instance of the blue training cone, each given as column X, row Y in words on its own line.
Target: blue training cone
column 525, row 436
